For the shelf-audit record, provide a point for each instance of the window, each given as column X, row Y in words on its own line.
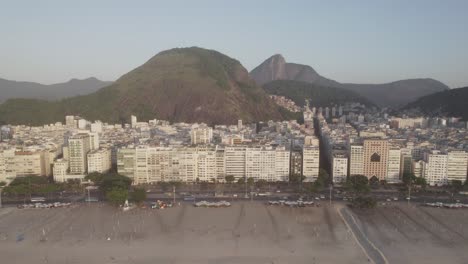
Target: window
column 375, row 158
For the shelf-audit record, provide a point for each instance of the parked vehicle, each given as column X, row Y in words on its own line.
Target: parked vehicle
column 38, row 199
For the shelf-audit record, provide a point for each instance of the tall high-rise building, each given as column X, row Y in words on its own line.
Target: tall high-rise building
column 457, row 162
column 234, row 159
column 82, row 123
column 78, row 148
column 376, row 158
column 126, row 162
column 220, row 165
column 339, row 168
column 207, row 164
column 99, row 160
column 239, row 124
column 29, row 163
column 356, row 160
column 310, row 163
column 93, row 140
column 2, row 168
column 201, row 134
column 133, row 121
column 60, row 170
column 393, row 165
column 282, row 159
column 260, row 163
column 435, row 168
column 418, row 168
column 296, row 163
column 70, row 121
column 406, row 163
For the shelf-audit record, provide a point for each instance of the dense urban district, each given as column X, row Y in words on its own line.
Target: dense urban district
column 341, row 141
column 286, row 183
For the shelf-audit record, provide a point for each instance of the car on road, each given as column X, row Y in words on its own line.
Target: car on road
column 189, row 198
column 38, row 199
column 322, row 196
column 395, row 199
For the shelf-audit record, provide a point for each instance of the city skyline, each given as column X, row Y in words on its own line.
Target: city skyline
column 415, row 40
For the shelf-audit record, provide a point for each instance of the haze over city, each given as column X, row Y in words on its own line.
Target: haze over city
column 261, row 132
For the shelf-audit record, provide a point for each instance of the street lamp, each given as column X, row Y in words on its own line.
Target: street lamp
column 1, row 189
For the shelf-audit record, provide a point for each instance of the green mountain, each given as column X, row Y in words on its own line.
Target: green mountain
column 179, row 85
column 317, row 95
column 451, row 103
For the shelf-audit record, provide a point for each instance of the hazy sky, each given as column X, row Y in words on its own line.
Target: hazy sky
column 349, row 41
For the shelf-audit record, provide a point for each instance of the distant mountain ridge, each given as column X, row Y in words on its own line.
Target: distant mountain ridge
column 392, row 94
column 451, row 103
column 15, row 89
column 276, row 68
column 179, row 85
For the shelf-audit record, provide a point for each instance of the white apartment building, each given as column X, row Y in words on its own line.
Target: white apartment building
column 154, row 164
column 60, row 170
column 126, row 162
column 29, row 163
column 393, row 165
column 234, row 159
column 99, row 161
column 282, row 163
column 260, row 163
column 133, row 121
column 78, row 148
column 435, row 168
column 70, row 121
column 2, row 168
column 187, row 167
column 310, row 163
column 207, row 169
column 96, row 127
column 457, row 163
column 201, row 134
column 356, row 160
column 339, row 168
column 93, row 140
column 82, row 123
column 8, row 170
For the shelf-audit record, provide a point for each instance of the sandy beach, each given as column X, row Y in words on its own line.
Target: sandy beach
column 247, row 232
column 244, row 233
